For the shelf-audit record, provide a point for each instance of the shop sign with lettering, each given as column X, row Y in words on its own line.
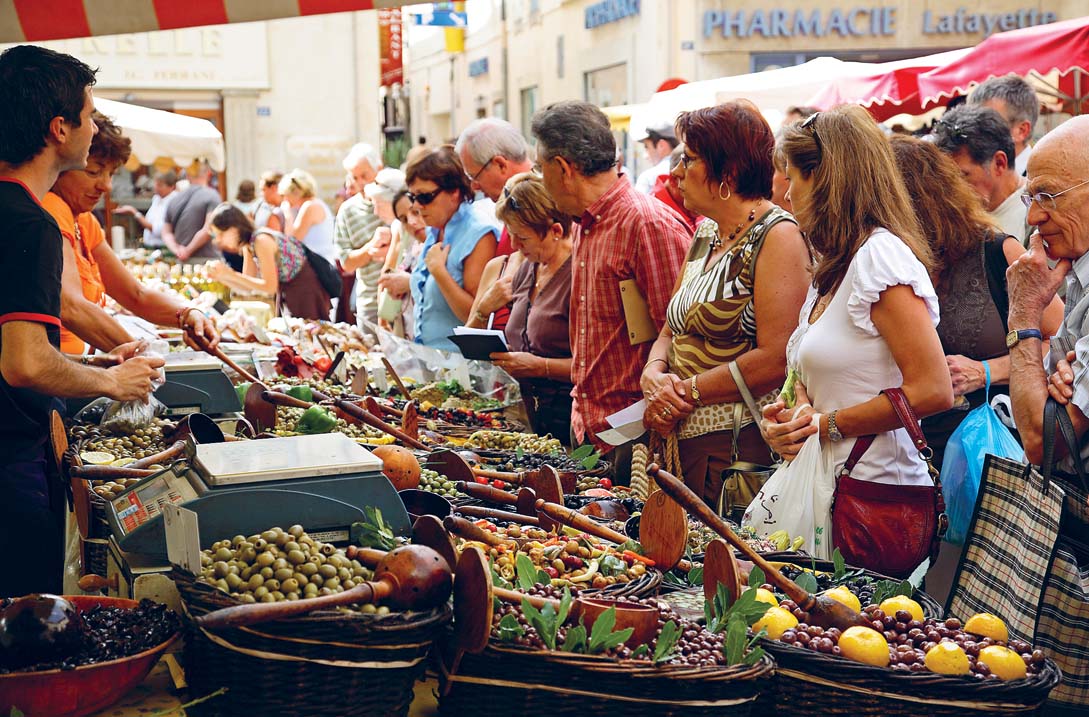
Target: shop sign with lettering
column 607, row 11
column 861, row 22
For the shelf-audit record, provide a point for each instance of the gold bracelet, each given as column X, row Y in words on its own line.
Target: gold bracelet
column 648, row 363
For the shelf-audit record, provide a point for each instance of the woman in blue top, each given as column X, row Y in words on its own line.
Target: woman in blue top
column 460, row 240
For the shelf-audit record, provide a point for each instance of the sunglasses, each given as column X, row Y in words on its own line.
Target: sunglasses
column 424, row 198
column 512, row 201
column 810, row 123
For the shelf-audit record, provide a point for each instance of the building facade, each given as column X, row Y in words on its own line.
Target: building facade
column 285, row 93
column 523, row 54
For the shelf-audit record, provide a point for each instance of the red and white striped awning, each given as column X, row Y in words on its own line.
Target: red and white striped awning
column 38, row 20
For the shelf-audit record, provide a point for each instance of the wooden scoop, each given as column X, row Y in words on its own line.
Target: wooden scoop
column 476, row 511
column 258, row 410
column 525, row 500
column 428, row 530
column 412, row 577
column 396, row 379
column 474, row 596
column 663, row 530
column 367, row 417
column 163, row 457
column 823, row 611
column 720, row 568
column 218, row 353
column 545, row 483
column 468, row 530
column 85, row 472
column 578, row 521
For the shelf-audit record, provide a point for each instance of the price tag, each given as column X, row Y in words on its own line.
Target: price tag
column 182, row 537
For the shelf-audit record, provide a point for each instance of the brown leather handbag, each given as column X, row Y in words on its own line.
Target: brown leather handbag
column 889, row 529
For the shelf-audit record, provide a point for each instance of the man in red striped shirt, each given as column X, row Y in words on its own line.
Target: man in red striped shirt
column 620, row 234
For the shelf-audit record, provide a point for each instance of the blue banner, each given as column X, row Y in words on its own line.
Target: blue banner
column 442, row 18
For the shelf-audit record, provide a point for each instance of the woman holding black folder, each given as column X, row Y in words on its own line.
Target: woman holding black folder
column 539, row 294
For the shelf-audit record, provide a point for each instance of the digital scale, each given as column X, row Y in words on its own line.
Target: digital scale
column 196, row 383
column 321, row 482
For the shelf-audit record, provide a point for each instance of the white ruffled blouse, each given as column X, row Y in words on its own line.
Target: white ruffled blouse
column 844, row 361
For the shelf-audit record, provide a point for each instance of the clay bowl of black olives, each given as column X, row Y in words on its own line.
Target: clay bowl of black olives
column 76, row 655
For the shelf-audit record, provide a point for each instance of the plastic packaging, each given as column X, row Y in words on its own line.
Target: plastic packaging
column 979, row 434
column 798, row 499
column 130, row 416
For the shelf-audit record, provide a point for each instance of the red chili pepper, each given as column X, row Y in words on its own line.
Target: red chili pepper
column 628, row 554
column 499, row 484
column 605, row 483
column 480, row 479
column 323, row 364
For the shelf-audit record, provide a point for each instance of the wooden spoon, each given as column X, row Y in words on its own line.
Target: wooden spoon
column 545, row 483
column 468, row 530
column 428, row 530
column 720, row 568
column 411, row 577
column 476, row 511
column 525, row 500
column 663, row 530
column 371, row 420
column 578, row 521
column 823, row 611
column 396, row 379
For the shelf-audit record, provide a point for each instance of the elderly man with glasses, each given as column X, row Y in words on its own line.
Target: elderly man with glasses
column 1057, row 195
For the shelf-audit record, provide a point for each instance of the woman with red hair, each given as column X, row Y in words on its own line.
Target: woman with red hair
column 735, row 302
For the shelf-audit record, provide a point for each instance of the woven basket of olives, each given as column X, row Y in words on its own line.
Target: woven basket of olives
column 525, row 678
column 368, row 657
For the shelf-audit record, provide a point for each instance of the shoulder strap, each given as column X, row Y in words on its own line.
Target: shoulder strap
column 995, row 264
column 185, row 203
column 909, row 420
column 1056, row 415
column 743, row 389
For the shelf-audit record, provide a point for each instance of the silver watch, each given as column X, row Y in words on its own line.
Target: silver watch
column 833, row 430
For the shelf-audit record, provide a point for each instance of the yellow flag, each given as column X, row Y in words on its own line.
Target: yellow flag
column 455, row 36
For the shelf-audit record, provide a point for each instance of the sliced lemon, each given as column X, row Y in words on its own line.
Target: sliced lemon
column 120, row 462
column 98, row 458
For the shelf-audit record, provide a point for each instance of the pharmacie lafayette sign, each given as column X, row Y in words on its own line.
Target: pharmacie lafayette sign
column 862, row 22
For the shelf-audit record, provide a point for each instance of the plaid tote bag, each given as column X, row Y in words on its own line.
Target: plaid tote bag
column 1026, row 560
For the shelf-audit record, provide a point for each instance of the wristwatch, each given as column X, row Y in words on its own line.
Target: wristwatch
column 1018, row 335
column 833, row 430
column 694, row 393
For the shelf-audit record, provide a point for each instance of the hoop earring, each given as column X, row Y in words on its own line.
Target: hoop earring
column 729, row 192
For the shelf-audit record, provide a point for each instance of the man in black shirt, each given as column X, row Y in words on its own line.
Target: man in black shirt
column 45, row 129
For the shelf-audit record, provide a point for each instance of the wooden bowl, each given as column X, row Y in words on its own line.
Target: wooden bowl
column 84, row 690
column 420, row 502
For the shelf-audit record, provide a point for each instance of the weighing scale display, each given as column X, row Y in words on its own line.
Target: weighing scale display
column 144, row 502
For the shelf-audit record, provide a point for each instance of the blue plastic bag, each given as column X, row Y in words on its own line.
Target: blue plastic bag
column 979, row 434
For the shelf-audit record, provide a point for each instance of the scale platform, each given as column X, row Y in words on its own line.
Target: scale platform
column 321, row 482
column 196, row 383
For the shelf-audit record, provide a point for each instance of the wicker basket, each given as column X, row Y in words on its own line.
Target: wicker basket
column 330, row 663
column 520, row 681
column 816, row 684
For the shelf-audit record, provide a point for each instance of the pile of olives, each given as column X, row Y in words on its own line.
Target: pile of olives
column 439, row 484
column 279, row 565
column 503, row 441
column 133, row 446
column 329, row 388
column 287, row 418
column 110, row 489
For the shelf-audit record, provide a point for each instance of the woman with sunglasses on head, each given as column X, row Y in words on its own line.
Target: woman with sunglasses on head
column 272, row 263
column 735, row 302
column 867, row 325
column 460, row 241
column 539, row 295
column 401, row 258
column 311, row 220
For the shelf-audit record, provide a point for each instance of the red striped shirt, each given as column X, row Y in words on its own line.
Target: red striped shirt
column 623, row 235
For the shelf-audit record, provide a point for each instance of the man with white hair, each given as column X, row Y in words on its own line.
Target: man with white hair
column 492, row 151
column 359, row 247
column 1058, row 195
column 1016, row 101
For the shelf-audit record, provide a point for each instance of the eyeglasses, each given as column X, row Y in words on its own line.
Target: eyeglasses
column 688, row 159
column 511, row 200
column 810, row 123
column 1047, row 200
column 472, row 177
column 424, row 198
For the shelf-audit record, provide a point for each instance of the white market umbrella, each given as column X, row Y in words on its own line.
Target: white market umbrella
column 155, row 133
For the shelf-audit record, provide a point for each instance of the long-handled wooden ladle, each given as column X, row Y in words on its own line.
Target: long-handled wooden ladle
column 409, row 577
column 476, row 511
column 524, row 501
column 468, row 530
column 362, row 414
column 824, row 611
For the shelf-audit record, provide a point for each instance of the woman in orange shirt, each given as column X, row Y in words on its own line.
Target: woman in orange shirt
column 92, row 270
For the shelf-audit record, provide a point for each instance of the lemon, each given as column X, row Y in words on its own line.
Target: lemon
column 865, row 645
column 947, row 658
column 901, row 602
column 121, row 462
column 98, row 458
column 776, row 621
column 1004, row 662
column 987, row 625
column 767, row 596
column 843, row 595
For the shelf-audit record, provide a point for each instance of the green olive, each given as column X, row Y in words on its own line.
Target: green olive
column 267, row 598
column 310, row 590
column 256, row 581
column 220, row 569
column 292, row 596
column 327, row 571
column 291, row 545
column 269, row 536
column 260, row 592
column 283, row 574
column 281, row 564
column 295, row 530
column 224, row 554
column 265, row 559
column 344, row 574
column 308, row 569
column 296, row 557
column 248, row 554
column 267, row 573
column 272, row 584
column 300, row 578
column 369, row 609
column 289, row 585
column 233, row 581
column 247, row 598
